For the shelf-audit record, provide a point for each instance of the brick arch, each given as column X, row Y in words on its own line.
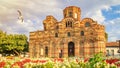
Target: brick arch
column 69, row 22
column 85, row 20
column 71, row 49
column 68, row 19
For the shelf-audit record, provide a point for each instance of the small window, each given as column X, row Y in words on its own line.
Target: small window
column 82, row 33
column 69, row 34
column 108, row 54
column 66, row 24
column 87, row 24
column 112, row 52
column 91, row 33
column 70, row 14
column 69, row 24
column 46, row 51
column 56, row 34
column 65, row 15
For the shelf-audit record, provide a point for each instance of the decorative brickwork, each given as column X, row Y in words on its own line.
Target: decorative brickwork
column 69, row 37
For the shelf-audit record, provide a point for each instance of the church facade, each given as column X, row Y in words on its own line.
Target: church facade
column 72, row 36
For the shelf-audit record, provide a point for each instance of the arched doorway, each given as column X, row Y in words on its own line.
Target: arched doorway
column 46, row 51
column 71, row 49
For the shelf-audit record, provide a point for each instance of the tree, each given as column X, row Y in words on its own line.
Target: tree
column 13, row 43
column 106, row 36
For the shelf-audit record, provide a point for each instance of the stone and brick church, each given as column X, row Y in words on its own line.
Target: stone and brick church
column 72, row 36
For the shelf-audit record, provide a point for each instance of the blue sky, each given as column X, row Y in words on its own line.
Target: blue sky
column 112, row 13
column 106, row 12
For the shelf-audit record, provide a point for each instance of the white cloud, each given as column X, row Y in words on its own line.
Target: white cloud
column 96, row 15
column 94, row 8
column 113, row 38
column 34, row 12
column 113, row 29
column 117, row 11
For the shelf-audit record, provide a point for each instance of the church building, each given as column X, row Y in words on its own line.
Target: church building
column 72, row 36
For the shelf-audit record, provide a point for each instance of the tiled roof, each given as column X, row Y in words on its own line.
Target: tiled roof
column 110, row 44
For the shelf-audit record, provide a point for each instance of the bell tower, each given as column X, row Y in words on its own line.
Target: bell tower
column 72, row 11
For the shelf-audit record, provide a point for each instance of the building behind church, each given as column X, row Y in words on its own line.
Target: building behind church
column 112, row 49
column 72, row 36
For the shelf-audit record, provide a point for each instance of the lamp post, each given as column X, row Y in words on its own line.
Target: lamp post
column 119, row 46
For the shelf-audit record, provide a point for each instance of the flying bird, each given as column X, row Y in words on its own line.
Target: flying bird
column 20, row 16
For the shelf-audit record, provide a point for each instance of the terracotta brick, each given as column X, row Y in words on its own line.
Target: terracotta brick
column 68, row 35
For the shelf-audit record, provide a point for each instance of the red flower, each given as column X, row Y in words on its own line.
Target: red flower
column 20, row 64
column 2, row 64
column 26, row 61
column 110, row 61
column 86, row 59
column 117, row 63
column 35, row 61
column 42, row 61
column 76, row 60
column 58, row 60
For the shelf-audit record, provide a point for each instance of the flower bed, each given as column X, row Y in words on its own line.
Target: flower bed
column 57, row 63
column 96, row 62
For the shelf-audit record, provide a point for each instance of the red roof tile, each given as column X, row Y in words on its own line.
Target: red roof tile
column 112, row 44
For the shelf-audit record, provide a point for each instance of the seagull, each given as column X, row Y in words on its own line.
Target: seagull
column 20, row 16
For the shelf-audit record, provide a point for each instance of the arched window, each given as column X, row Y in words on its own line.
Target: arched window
column 82, row 33
column 69, row 24
column 87, row 24
column 65, row 15
column 66, row 24
column 56, row 34
column 70, row 14
column 68, row 34
column 46, row 51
